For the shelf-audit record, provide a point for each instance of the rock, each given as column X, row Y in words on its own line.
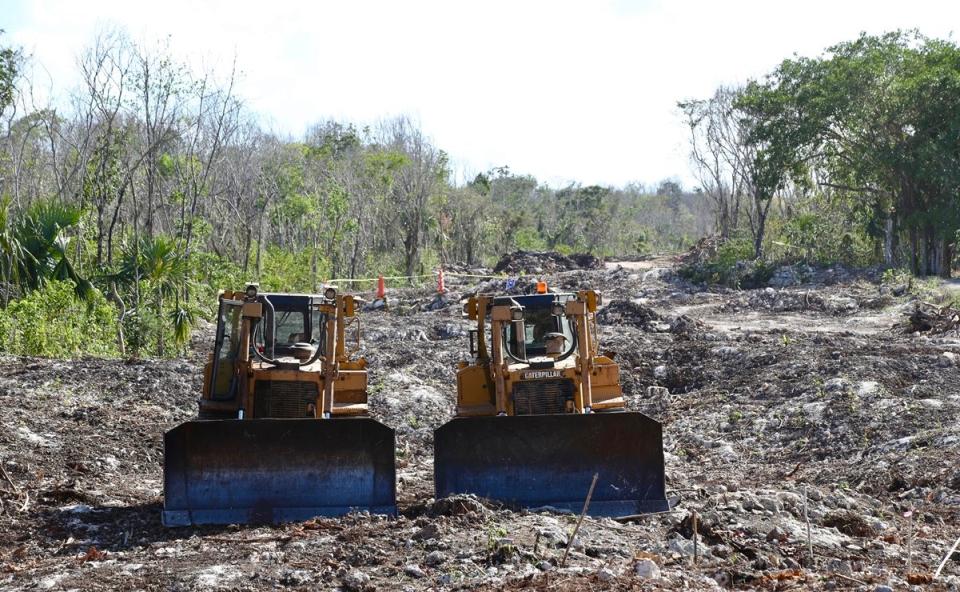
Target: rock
column 296, row 577
column 955, row 481
column 784, row 277
column 835, row 385
column 658, row 273
column 839, row 304
column 867, row 387
column 791, row 501
column 721, row 551
column 355, row 580
column 883, row 588
column 814, row 411
column 947, row 360
column 777, row 535
column 931, row 403
column 448, row 331
column 413, row 570
column 657, row 391
column 458, row 505
column 726, row 351
column 606, row 575
column 429, row 531
column 544, row 565
column 435, row 558
column 681, row 546
column 715, row 488
column 378, row 304
column 839, row 566
column 439, row 302
column 660, row 372
column 728, row 454
column 646, row 569
column 552, row 534
column 771, row 504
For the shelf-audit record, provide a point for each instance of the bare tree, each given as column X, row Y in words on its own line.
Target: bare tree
column 719, row 155
column 417, row 181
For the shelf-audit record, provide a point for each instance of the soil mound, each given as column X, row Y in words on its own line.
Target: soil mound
column 632, row 313
column 545, row 262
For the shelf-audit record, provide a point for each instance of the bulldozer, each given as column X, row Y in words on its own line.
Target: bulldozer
column 283, row 431
column 540, row 412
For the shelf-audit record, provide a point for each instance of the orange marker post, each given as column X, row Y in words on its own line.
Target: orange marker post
column 381, row 288
column 441, row 288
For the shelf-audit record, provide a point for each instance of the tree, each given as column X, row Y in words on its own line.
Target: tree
column 10, row 60
column 874, row 120
column 417, row 181
column 720, row 155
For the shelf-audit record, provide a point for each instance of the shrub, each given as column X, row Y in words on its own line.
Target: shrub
column 731, row 265
column 52, row 322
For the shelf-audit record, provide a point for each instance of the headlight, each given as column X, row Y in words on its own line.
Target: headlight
column 252, row 290
column 330, row 293
column 516, row 314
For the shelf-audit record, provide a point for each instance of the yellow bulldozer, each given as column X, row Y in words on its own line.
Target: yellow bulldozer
column 540, row 412
column 283, row 432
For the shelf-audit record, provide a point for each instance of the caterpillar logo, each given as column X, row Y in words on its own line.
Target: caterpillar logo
column 542, row 374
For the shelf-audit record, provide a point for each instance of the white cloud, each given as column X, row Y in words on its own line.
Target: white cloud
column 562, row 90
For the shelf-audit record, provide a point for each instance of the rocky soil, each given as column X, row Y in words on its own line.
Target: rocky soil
column 813, row 435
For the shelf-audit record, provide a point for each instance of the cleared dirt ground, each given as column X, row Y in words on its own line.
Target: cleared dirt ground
column 815, row 438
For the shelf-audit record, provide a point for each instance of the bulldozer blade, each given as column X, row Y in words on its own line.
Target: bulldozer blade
column 536, row 461
column 240, row 471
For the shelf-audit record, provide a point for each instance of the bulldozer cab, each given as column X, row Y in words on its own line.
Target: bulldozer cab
column 541, row 324
column 289, row 321
column 294, row 319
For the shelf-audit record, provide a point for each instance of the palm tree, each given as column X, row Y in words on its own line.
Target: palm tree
column 41, row 232
column 13, row 255
column 164, row 272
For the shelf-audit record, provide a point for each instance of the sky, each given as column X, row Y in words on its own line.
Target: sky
column 580, row 91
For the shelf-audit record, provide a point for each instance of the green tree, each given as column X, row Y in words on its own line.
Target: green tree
column 42, row 233
column 877, row 120
column 10, row 59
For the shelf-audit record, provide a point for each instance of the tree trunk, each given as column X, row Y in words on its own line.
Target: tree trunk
column 160, row 347
column 113, row 223
column 246, row 252
column 100, row 233
column 313, row 264
column 411, row 252
column 946, row 259
column 889, row 232
column 763, row 210
column 914, row 252
column 259, row 246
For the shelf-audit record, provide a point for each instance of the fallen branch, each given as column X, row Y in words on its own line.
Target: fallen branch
column 576, row 529
column 6, row 476
column 946, row 558
column 696, row 553
column 806, row 518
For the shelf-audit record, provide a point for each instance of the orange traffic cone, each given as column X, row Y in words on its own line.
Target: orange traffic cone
column 441, row 288
column 381, row 288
